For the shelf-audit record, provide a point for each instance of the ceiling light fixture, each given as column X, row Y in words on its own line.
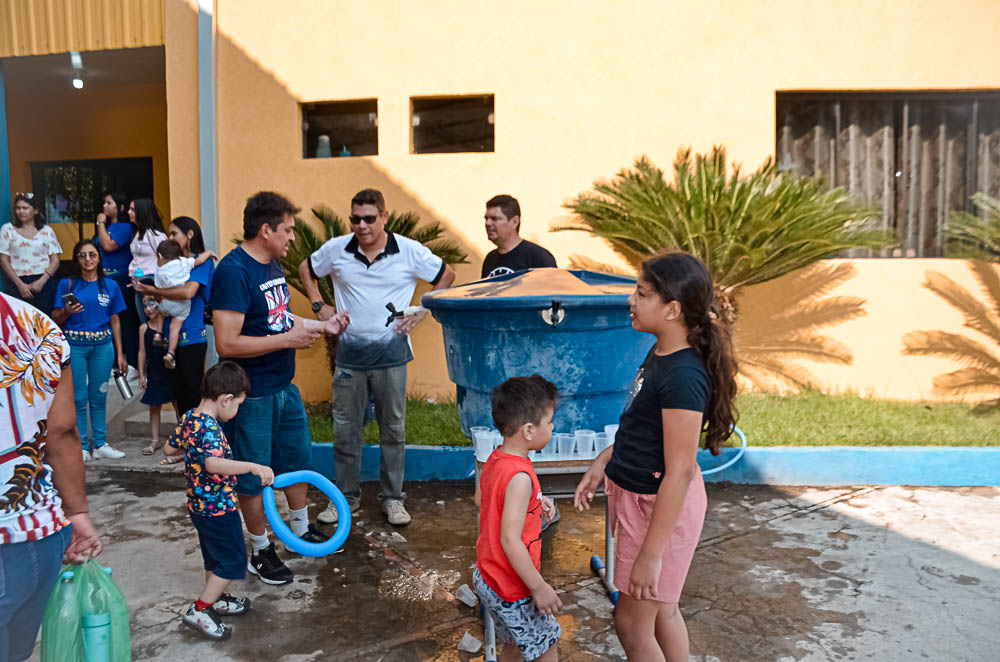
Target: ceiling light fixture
column 78, row 83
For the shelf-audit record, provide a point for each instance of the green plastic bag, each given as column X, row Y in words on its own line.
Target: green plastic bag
column 86, row 619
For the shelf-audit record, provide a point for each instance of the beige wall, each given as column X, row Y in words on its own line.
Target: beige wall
column 181, row 75
column 48, row 120
column 579, row 94
column 888, row 300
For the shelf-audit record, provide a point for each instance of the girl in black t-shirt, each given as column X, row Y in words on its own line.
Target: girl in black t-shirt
column 656, row 496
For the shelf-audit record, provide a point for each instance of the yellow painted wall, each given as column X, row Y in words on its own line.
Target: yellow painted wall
column 581, row 91
column 181, row 74
column 53, row 122
column 893, row 302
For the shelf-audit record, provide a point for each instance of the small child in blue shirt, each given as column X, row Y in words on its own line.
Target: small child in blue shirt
column 210, row 473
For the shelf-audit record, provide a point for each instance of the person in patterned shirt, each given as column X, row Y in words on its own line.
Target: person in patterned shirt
column 210, row 472
column 44, row 520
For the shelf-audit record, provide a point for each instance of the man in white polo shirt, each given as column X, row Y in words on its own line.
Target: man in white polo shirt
column 370, row 268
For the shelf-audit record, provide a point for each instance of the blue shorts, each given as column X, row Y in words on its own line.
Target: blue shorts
column 222, row 544
column 272, row 430
column 519, row 622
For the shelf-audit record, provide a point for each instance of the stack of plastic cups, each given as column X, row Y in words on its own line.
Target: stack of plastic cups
column 585, row 444
column 564, row 446
column 611, row 431
column 482, row 443
column 497, row 438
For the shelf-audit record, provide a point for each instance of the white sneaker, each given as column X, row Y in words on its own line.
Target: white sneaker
column 395, row 512
column 86, row 455
column 107, row 452
column 330, row 516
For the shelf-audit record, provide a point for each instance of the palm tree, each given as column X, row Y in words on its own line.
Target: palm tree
column 971, row 236
column 981, row 372
column 308, row 241
column 747, row 230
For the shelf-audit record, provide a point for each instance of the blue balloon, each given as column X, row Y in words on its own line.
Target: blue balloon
column 285, row 535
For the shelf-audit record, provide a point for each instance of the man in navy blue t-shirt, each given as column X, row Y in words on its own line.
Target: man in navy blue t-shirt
column 255, row 327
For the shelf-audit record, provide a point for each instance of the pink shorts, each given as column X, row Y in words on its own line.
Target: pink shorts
column 630, row 514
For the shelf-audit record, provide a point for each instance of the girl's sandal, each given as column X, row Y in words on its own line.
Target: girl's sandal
column 173, row 459
column 152, row 448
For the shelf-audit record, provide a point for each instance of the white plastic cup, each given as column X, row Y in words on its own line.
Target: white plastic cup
column 565, row 443
column 497, row 438
column 550, row 450
column 601, row 442
column 482, row 442
column 611, row 431
column 585, row 444
column 466, row 595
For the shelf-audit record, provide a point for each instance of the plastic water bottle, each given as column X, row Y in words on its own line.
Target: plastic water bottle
column 61, row 622
column 138, row 272
column 97, row 637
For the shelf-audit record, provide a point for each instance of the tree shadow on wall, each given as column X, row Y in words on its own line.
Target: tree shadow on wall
column 778, row 328
column 980, row 375
column 779, row 324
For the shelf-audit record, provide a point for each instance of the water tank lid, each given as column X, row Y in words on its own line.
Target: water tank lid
column 535, row 288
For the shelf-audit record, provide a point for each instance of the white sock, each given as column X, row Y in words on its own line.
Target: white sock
column 259, row 542
column 299, row 522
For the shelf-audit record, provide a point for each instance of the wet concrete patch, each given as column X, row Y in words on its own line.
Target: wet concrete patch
column 781, row 574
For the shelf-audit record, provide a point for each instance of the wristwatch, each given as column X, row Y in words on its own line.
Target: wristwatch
column 317, row 306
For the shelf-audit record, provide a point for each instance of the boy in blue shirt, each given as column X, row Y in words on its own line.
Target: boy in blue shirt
column 210, row 473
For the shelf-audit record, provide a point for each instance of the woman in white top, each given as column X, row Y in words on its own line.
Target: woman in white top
column 149, row 233
column 29, row 255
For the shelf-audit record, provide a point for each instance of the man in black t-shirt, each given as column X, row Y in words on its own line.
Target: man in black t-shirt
column 503, row 223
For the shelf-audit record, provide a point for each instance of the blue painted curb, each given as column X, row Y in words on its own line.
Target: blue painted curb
column 775, row 465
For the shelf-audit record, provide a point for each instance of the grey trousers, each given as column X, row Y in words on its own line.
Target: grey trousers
column 351, row 392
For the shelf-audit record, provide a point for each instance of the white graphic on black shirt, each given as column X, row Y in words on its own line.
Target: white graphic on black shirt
column 636, row 387
column 500, row 271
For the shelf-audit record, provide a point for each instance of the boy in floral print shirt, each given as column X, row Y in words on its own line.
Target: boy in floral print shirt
column 210, row 473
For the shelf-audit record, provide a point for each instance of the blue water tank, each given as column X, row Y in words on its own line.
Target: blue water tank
column 571, row 327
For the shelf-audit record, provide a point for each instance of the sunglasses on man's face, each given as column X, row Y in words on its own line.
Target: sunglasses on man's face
column 366, row 219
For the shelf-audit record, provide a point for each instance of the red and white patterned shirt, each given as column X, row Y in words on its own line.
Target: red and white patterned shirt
column 32, row 353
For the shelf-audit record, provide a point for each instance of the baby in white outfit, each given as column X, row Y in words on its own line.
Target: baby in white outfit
column 172, row 270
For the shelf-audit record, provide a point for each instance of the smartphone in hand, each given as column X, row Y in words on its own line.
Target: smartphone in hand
column 70, row 299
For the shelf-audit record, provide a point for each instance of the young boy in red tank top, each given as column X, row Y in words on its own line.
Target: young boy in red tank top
column 508, row 551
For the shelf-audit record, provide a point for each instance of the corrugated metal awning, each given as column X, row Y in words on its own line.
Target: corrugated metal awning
column 37, row 27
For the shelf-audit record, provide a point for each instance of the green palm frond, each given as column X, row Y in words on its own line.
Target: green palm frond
column 980, row 374
column 971, row 236
column 747, row 229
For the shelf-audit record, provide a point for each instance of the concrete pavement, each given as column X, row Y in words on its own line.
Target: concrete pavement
column 782, row 574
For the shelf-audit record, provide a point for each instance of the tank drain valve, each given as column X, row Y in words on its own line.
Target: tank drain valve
column 394, row 314
column 555, row 315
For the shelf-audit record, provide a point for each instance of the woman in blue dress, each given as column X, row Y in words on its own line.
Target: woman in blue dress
column 114, row 234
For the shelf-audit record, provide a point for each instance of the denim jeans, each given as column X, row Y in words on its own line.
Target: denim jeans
column 272, row 430
column 351, row 391
column 28, row 573
column 91, row 364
